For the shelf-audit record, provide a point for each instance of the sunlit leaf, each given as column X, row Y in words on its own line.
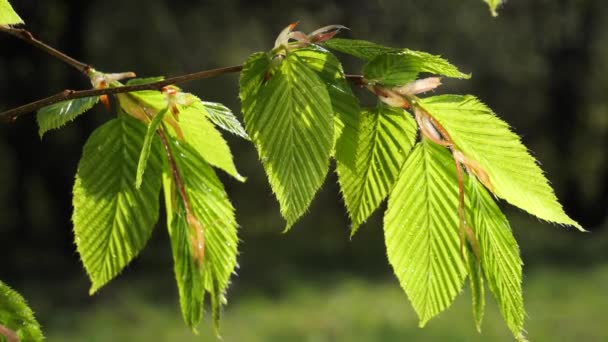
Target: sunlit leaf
column 400, row 68
column 147, row 146
column 499, row 255
column 8, row 16
column 513, row 172
column 290, row 118
column 359, row 48
column 212, row 208
column 223, row 117
column 17, row 316
column 421, row 230
column 112, row 219
column 59, row 114
column 494, row 4
column 383, row 141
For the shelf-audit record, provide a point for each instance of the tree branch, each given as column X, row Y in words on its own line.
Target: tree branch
column 14, row 114
column 27, row 36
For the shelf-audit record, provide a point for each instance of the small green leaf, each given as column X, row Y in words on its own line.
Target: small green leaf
column 206, row 139
column 499, row 255
column 147, row 146
column 112, row 219
column 485, row 138
column 393, row 69
column 421, row 230
column 223, row 117
column 17, row 316
column 359, row 48
column 211, row 206
column 58, row 114
column 384, row 139
column 289, row 117
column 8, row 16
column 494, row 4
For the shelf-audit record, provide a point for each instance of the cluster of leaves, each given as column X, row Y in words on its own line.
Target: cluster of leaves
column 441, row 162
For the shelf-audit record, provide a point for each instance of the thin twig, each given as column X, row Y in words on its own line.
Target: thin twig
column 27, row 36
column 13, row 114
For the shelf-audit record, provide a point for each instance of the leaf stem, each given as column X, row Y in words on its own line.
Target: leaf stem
column 10, row 335
column 27, row 36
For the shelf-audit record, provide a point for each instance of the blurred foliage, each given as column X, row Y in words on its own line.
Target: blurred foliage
column 541, row 65
column 342, row 309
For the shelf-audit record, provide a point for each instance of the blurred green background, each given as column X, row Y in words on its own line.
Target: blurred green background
column 542, row 65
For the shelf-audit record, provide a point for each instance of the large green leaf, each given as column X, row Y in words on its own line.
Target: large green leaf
column 359, row 48
column 493, row 4
column 421, row 230
column 223, row 117
column 475, row 271
column 393, row 69
column 345, row 104
column 385, row 138
column 499, row 255
column 290, row 119
column 17, row 316
column 8, row 16
column 513, row 172
column 213, row 209
column 58, row 114
column 112, row 219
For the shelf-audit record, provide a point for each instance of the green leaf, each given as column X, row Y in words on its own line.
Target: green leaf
column 290, row 119
column 223, row 117
column 8, row 16
column 499, row 255
column 206, row 139
column 211, row 206
column 494, row 4
column 58, row 114
column 421, row 230
column 393, row 69
column 147, row 146
column 344, row 103
column 17, row 316
column 359, row 48
column 477, row 288
column 112, row 219
column 513, row 172
column 385, row 137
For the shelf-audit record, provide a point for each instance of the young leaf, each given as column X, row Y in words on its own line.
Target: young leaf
column 138, row 81
column 392, row 69
column 385, row 137
column 513, row 172
column 493, row 4
column 499, row 255
column 206, row 139
column 8, row 16
column 17, row 316
column 211, row 206
column 359, row 48
column 147, row 146
column 421, row 230
column 344, row 103
column 58, row 114
column 223, row 117
column 112, row 219
column 290, row 119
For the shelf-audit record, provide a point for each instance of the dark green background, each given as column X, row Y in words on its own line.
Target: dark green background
column 541, row 65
